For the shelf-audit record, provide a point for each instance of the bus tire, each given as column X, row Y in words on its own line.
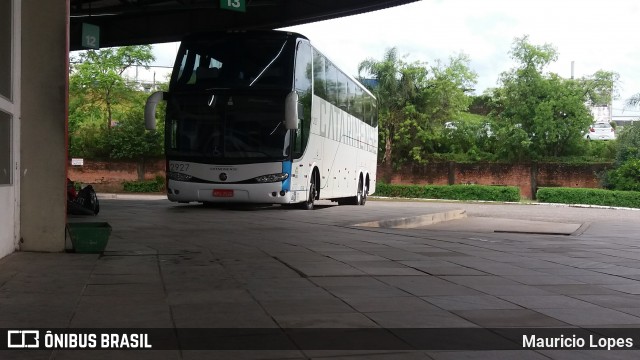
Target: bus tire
column 311, row 197
column 363, row 197
column 359, row 199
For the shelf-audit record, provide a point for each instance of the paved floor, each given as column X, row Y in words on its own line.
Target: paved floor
column 189, row 266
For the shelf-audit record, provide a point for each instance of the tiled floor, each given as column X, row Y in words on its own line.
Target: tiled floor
column 187, row 266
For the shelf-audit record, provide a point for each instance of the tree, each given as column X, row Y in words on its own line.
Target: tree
column 626, row 175
column 560, row 119
column 446, row 89
column 99, row 92
column 414, row 102
column 633, row 101
column 443, row 99
column 600, row 88
column 97, row 76
column 130, row 141
column 537, row 114
column 89, row 140
column 481, row 104
column 398, row 85
column 628, row 144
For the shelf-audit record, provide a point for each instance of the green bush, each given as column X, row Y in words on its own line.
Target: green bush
column 589, row 197
column 604, row 150
column 156, row 185
column 452, row 192
column 626, row 177
column 628, row 144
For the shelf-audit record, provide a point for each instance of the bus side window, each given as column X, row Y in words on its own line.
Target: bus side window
column 186, row 74
column 357, row 111
column 332, row 82
column 351, row 96
column 374, row 122
column 341, row 89
column 366, row 113
column 319, row 78
column 303, row 88
column 303, row 68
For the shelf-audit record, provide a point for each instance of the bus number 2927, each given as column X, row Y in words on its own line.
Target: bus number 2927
column 179, row 167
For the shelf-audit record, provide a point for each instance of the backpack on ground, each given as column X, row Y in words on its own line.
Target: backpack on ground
column 88, row 199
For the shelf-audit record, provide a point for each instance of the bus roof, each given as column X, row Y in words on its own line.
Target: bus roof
column 273, row 33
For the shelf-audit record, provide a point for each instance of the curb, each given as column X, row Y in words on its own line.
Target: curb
column 373, row 197
column 416, row 221
column 113, row 196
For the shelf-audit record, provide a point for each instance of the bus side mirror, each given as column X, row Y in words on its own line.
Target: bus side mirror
column 291, row 111
column 150, row 109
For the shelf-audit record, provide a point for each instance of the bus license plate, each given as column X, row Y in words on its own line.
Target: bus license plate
column 222, row 193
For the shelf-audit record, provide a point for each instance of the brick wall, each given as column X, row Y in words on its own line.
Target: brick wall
column 528, row 177
column 585, row 176
column 107, row 176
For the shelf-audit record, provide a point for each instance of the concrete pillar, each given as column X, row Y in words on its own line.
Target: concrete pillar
column 43, row 125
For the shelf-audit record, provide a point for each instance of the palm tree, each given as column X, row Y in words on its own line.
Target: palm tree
column 633, row 101
column 397, row 85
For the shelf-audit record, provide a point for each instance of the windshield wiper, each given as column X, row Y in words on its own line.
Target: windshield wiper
column 276, row 128
column 269, row 64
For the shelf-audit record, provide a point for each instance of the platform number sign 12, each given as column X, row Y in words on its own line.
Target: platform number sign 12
column 235, row 5
column 90, row 36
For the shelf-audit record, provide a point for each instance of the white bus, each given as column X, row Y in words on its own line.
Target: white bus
column 264, row 117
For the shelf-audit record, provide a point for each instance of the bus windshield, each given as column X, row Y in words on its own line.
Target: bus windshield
column 227, row 128
column 233, row 60
column 226, row 102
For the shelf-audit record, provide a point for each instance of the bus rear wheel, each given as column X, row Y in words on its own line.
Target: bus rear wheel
column 359, row 199
column 363, row 195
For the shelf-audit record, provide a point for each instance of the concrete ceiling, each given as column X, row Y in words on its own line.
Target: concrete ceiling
column 133, row 22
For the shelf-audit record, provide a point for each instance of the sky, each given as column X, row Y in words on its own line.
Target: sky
column 593, row 34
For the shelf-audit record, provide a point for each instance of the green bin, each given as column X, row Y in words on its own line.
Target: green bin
column 89, row 237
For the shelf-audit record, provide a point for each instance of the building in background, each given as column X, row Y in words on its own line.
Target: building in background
column 601, row 114
column 148, row 79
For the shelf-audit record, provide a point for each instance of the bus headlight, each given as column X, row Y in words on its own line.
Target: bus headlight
column 272, row 178
column 172, row 175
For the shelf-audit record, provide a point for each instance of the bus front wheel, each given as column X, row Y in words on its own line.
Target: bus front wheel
column 309, row 203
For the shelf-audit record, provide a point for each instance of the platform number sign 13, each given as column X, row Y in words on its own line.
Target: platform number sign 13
column 235, row 5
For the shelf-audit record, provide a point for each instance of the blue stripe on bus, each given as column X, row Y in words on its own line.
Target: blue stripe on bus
column 286, row 168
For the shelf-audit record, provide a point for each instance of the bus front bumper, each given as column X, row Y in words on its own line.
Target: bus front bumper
column 269, row 193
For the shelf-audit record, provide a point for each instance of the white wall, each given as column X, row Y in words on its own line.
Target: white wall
column 9, row 124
